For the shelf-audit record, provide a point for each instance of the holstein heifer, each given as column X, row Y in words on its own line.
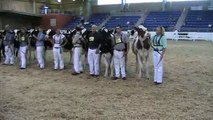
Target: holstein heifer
column 141, row 48
column 107, row 51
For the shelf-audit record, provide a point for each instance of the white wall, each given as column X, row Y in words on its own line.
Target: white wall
column 19, row 6
column 208, row 36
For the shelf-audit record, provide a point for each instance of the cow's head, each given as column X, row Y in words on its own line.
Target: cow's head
column 141, row 30
column 2, row 33
column 105, row 32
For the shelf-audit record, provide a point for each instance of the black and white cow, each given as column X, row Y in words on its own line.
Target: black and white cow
column 107, row 51
column 141, row 48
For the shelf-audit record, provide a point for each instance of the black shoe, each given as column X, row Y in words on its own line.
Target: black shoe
column 92, row 75
column 11, row 64
column 115, row 78
column 96, row 75
column 124, row 78
column 156, row 83
column 75, row 73
column 4, row 64
column 22, row 68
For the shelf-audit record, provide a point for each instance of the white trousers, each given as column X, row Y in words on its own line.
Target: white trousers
column 9, row 54
column 77, row 60
column 158, row 67
column 58, row 58
column 40, row 56
column 119, row 63
column 23, row 56
column 176, row 37
column 93, row 60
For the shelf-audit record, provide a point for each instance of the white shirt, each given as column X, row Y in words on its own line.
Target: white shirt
column 58, row 40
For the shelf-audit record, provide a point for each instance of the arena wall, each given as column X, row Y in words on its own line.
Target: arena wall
column 55, row 21
column 20, row 6
column 17, row 22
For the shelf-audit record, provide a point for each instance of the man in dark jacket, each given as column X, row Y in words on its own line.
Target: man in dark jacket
column 94, row 45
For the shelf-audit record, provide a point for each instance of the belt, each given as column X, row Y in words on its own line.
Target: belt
column 120, row 50
column 76, row 46
column 156, row 50
column 92, row 48
column 57, row 47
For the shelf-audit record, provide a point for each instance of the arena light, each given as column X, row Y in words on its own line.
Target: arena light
column 142, row 1
column 184, row 0
column 108, row 2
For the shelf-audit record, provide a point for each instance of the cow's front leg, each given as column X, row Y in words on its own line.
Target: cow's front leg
column 106, row 62
column 136, row 68
column 140, row 66
column 71, row 56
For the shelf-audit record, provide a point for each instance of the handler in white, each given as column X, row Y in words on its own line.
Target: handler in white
column 23, row 39
column 120, row 50
column 40, row 39
column 77, row 43
column 94, row 45
column 159, row 43
column 176, row 36
column 59, row 40
column 9, row 46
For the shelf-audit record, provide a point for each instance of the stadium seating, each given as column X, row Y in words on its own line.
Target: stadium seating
column 201, row 21
column 127, row 22
column 73, row 23
column 97, row 19
column 167, row 19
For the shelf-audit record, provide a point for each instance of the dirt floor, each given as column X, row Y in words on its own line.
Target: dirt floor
column 187, row 92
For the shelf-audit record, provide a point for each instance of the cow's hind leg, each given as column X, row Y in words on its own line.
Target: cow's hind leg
column 147, row 67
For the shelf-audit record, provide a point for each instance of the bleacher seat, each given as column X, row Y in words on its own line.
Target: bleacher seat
column 72, row 23
column 127, row 22
column 167, row 19
column 96, row 19
column 198, row 21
